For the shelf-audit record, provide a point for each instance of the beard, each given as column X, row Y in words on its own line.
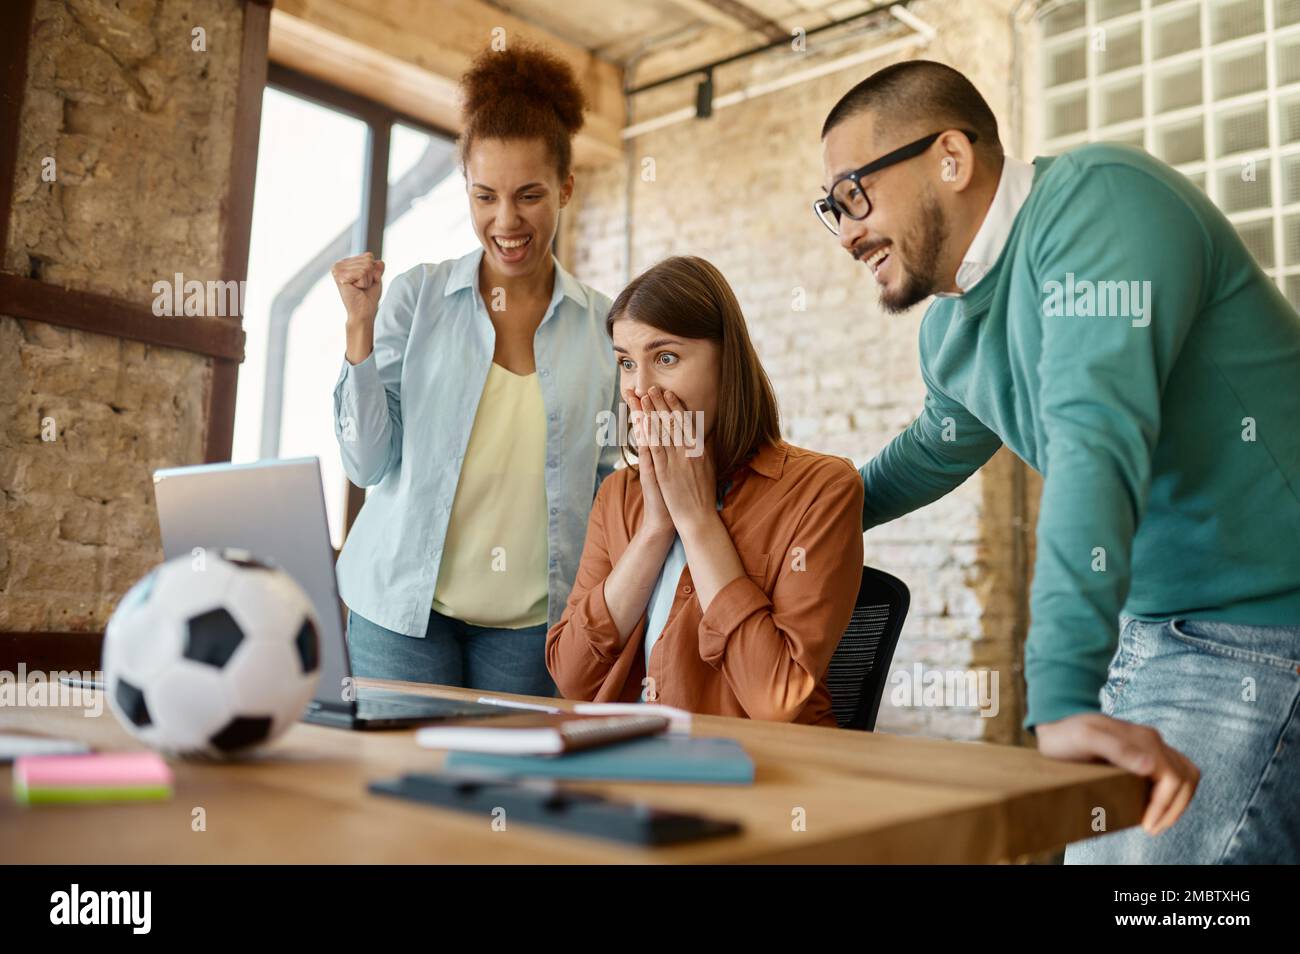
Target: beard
column 923, row 245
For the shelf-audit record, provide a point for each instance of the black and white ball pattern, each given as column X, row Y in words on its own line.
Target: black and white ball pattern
column 211, row 654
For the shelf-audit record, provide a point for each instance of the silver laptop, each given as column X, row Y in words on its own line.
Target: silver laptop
column 275, row 509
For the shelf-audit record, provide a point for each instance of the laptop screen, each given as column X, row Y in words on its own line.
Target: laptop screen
column 274, row 509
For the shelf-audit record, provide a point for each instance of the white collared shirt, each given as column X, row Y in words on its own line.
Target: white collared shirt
column 1013, row 189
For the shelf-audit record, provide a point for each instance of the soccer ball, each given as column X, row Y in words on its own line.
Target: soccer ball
column 211, row 654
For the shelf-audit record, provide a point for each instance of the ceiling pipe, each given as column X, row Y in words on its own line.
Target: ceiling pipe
column 922, row 34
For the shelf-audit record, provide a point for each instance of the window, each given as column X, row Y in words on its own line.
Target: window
column 425, row 183
column 316, row 201
column 1211, row 87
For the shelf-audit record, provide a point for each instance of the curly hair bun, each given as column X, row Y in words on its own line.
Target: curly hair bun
column 523, row 92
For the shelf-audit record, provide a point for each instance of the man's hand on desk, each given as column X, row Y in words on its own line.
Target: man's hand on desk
column 1127, row 745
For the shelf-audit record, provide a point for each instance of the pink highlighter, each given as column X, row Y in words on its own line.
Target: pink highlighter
column 98, row 777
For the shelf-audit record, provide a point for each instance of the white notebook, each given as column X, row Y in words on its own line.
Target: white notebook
column 16, row 745
column 537, row 733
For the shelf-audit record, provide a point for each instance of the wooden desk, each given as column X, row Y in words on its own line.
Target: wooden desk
column 867, row 798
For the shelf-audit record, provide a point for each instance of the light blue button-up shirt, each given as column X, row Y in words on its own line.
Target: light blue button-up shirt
column 662, row 596
column 665, row 591
column 403, row 418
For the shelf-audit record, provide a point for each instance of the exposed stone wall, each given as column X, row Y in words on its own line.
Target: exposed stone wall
column 139, row 126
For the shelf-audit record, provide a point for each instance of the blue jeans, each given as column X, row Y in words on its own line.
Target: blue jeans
column 1225, row 695
column 453, row 653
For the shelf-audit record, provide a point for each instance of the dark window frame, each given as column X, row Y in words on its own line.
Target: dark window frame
column 372, row 220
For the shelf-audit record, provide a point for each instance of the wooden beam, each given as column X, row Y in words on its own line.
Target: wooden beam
column 50, row 652
column 733, row 15
column 34, row 300
column 410, row 55
column 15, row 37
column 237, row 218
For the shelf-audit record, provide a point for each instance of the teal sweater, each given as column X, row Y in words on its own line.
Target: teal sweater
column 1166, row 427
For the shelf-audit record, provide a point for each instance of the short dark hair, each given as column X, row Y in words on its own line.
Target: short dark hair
column 904, row 93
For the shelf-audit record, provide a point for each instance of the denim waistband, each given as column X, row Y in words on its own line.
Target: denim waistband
column 1278, row 645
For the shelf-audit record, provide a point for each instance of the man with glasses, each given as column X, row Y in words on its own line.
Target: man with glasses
column 1097, row 314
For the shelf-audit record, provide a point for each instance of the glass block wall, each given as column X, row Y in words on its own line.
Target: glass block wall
column 1210, row 86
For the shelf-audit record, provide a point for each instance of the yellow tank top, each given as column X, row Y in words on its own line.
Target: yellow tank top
column 493, row 570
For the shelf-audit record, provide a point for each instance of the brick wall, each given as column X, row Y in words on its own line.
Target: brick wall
column 129, row 111
column 736, row 189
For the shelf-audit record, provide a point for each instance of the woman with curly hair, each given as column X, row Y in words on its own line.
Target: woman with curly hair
column 469, row 399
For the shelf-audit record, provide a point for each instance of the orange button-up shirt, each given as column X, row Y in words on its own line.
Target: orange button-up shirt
column 763, row 647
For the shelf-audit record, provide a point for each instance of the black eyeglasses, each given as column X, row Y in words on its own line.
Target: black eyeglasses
column 846, row 196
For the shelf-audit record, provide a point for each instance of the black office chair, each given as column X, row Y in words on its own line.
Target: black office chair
column 858, row 671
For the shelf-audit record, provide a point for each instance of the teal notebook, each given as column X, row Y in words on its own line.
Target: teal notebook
column 655, row 758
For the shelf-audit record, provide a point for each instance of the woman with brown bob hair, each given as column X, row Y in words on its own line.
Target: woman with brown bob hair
column 720, row 570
